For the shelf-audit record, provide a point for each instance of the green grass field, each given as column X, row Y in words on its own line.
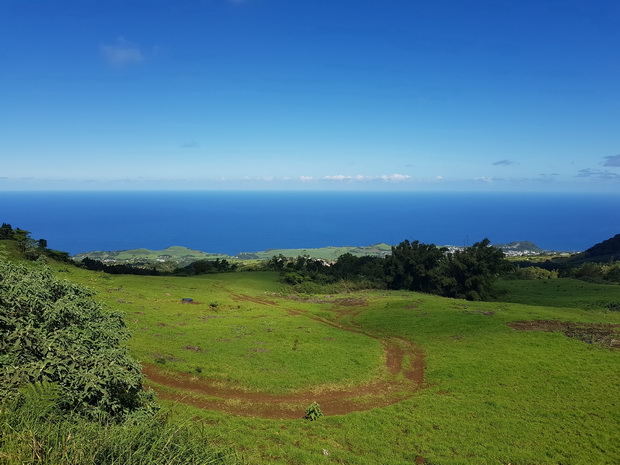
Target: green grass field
column 491, row 394
column 561, row 293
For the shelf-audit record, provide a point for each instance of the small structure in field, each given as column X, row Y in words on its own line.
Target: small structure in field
column 187, row 300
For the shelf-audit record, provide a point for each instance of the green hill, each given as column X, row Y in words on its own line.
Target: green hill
column 180, row 255
column 325, row 253
column 184, row 256
column 607, row 250
column 603, row 252
column 520, row 247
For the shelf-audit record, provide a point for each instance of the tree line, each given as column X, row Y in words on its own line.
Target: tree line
column 468, row 273
column 601, row 273
column 149, row 269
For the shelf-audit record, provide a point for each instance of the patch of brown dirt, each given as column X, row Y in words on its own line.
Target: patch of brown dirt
column 193, row 348
column 607, row 334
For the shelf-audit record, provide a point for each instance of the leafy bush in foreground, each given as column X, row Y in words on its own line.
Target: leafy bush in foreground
column 53, row 331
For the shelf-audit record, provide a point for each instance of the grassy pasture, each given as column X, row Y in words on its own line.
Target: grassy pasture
column 563, row 292
column 325, row 253
column 235, row 332
column 492, row 395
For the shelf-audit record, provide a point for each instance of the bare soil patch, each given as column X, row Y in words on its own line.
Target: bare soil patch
column 193, row 348
column 606, row 334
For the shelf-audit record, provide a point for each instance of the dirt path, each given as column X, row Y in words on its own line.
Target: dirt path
column 606, row 334
column 403, row 360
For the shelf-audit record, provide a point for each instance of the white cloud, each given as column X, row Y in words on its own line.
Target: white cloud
column 260, row 178
column 361, row 178
column 306, row 178
column 338, row 177
column 395, row 177
column 122, row 53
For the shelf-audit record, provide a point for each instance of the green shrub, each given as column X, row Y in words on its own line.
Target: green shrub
column 54, row 332
column 313, row 412
column 535, row 272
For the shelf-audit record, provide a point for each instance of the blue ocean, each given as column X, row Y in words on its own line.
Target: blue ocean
column 233, row 222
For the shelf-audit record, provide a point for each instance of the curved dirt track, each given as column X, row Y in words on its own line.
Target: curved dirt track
column 403, row 360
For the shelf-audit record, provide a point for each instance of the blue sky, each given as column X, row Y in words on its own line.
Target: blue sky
column 341, row 94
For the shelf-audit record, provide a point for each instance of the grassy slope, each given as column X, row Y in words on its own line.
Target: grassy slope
column 493, row 396
column 560, row 293
column 252, row 344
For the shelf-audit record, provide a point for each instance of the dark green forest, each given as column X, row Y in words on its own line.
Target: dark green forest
column 468, row 273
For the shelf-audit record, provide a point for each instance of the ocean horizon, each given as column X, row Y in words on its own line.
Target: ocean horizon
column 231, row 222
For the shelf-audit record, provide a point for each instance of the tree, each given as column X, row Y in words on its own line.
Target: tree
column 6, row 232
column 413, row 266
column 471, row 273
column 277, row 262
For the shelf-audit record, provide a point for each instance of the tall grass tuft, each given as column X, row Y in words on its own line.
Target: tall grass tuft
column 33, row 432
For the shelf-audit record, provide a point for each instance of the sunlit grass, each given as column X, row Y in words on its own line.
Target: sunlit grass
column 492, row 395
